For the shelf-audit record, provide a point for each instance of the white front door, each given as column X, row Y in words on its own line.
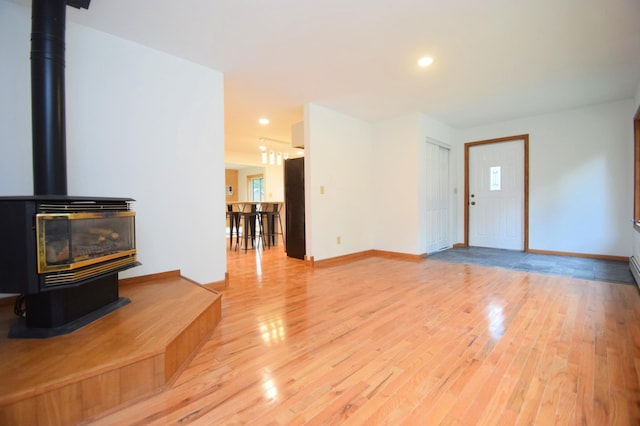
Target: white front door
column 437, row 164
column 496, row 195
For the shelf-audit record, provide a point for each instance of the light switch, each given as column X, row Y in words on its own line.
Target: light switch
column 321, row 189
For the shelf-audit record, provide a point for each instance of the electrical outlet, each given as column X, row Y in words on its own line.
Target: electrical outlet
column 338, row 240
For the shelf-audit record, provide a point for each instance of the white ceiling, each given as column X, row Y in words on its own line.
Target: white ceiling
column 494, row 59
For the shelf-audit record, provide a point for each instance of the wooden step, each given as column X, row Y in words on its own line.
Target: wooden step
column 124, row 356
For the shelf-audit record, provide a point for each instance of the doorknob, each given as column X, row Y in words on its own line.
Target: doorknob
column 473, row 203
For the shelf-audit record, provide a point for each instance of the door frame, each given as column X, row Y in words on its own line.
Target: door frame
column 467, row 147
column 636, row 170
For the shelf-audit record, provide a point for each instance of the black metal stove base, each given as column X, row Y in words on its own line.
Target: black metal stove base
column 19, row 329
column 64, row 309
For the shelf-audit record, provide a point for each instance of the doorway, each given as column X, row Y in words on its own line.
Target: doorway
column 497, row 193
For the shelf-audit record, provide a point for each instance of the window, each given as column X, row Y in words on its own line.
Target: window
column 495, row 180
column 256, row 187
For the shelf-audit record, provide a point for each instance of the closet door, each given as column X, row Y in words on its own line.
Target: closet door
column 437, row 165
column 294, row 207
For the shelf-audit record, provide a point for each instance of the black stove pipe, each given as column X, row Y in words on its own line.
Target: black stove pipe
column 47, row 97
column 48, row 19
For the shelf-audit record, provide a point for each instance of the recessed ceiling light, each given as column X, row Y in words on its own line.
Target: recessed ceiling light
column 425, row 61
column 263, row 121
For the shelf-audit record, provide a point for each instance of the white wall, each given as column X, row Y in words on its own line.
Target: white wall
column 140, row 124
column 396, row 183
column 580, row 178
column 338, row 157
column 15, row 100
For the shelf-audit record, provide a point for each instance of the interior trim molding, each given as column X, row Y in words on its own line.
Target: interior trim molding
column 150, row 277
column 218, row 285
column 340, row 260
column 398, row 255
column 9, row 299
column 636, row 169
column 584, row 255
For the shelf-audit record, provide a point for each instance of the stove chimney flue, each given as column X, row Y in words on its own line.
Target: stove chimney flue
column 48, row 97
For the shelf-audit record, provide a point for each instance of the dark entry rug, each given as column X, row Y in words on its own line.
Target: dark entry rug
column 577, row 267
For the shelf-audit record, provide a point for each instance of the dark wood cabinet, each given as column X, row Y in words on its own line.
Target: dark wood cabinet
column 294, row 205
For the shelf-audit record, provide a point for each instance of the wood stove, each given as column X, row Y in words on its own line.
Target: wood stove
column 60, row 253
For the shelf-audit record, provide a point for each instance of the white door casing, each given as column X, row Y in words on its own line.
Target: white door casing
column 496, row 195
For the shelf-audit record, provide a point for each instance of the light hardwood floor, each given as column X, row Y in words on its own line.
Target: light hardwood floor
column 388, row 341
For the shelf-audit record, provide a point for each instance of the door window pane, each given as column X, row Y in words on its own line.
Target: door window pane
column 495, row 182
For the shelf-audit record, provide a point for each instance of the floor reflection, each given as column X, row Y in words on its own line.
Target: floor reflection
column 495, row 317
column 269, row 386
column 273, row 331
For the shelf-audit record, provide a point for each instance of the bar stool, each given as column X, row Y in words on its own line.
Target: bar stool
column 249, row 215
column 277, row 208
column 233, row 214
column 271, row 212
column 266, row 215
